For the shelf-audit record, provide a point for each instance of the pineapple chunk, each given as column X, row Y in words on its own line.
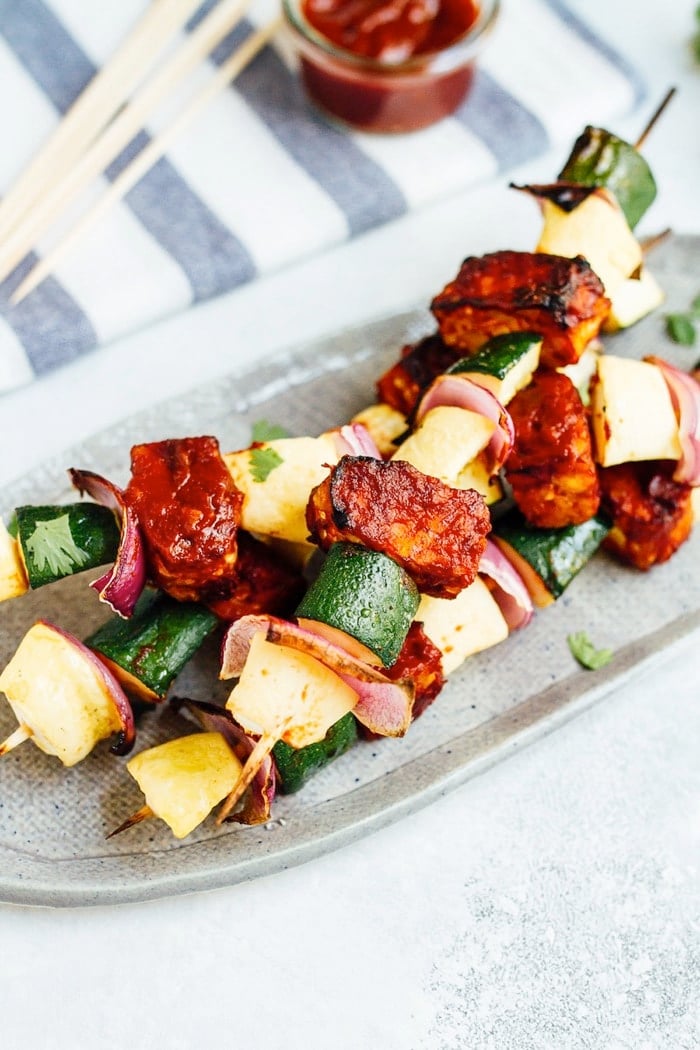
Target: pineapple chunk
column 447, row 439
column 632, row 413
column 583, row 370
column 276, row 506
column 463, row 625
column 279, row 685
column 695, row 503
column 384, row 424
column 13, row 576
column 598, row 230
column 633, row 299
column 185, row 778
column 476, row 476
column 58, row 695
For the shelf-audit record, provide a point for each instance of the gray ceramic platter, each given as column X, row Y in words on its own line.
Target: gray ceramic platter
column 53, row 821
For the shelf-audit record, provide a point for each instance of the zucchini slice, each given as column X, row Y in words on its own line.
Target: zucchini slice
column 58, row 541
column 504, row 364
column 296, row 765
column 147, row 652
column 549, row 559
column 367, row 595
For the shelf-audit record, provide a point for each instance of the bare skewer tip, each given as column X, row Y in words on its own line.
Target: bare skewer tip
column 145, row 813
column 654, row 117
column 20, row 734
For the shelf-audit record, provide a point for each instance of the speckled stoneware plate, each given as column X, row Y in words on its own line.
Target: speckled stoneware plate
column 53, row 821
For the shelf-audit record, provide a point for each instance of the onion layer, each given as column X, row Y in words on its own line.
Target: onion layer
column 258, row 801
column 510, row 592
column 122, row 585
column 460, row 392
column 354, row 439
column 685, row 396
column 383, row 706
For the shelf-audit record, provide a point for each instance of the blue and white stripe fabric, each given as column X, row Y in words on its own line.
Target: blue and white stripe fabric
column 260, row 180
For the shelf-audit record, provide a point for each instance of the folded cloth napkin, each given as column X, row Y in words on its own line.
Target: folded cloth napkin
column 260, row 180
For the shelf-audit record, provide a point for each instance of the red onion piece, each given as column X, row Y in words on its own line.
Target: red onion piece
column 258, row 800
column 121, row 586
column 685, row 397
column 125, row 739
column 354, row 439
column 510, row 592
column 383, row 706
column 460, row 392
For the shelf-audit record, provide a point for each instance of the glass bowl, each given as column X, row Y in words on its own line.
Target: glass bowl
column 375, row 95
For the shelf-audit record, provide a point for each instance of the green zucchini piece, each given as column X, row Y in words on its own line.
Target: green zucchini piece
column 507, row 361
column 148, row 651
column 600, row 158
column 367, row 595
column 554, row 556
column 58, row 541
column 296, row 765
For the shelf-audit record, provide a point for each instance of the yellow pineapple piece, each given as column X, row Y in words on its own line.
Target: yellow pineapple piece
column 184, row 779
column 281, row 686
column 58, row 695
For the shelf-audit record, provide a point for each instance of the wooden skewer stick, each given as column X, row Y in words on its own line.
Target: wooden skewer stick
column 148, row 156
column 94, row 108
column 21, row 733
column 649, row 243
column 654, row 118
column 255, row 759
column 145, row 813
column 103, row 150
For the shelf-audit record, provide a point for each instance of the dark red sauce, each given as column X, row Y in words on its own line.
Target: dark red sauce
column 391, row 30
column 383, row 98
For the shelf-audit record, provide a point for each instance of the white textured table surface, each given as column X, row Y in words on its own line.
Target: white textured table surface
column 554, row 902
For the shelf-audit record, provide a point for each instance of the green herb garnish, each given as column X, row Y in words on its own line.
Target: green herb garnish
column 585, row 652
column 52, row 546
column 681, row 326
column 263, row 461
column 264, row 431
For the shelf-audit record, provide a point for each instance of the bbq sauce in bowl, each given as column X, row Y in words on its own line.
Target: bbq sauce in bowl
column 388, row 65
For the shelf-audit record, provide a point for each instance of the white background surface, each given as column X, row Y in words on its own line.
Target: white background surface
column 554, row 902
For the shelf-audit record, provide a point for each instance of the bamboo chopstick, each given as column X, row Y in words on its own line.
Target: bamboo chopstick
column 128, row 122
column 148, row 156
column 95, row 107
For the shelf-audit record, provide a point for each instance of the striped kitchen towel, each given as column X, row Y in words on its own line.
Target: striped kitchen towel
column 260, row 180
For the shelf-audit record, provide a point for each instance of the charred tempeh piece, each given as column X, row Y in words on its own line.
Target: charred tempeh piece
column 402, row 385
column 560, row 299
column 550, row 468
column 189, row 510
column 436, row 533
column 652, row 515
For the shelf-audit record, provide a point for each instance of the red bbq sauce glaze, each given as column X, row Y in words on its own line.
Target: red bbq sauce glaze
column 189, row 513
column 391, row 30
column 388, row 32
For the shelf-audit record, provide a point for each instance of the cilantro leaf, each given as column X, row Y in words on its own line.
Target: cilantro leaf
column 681, row 328
column 583, row 650
column 264, row 431
column 52, row 547
column 263, row 461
